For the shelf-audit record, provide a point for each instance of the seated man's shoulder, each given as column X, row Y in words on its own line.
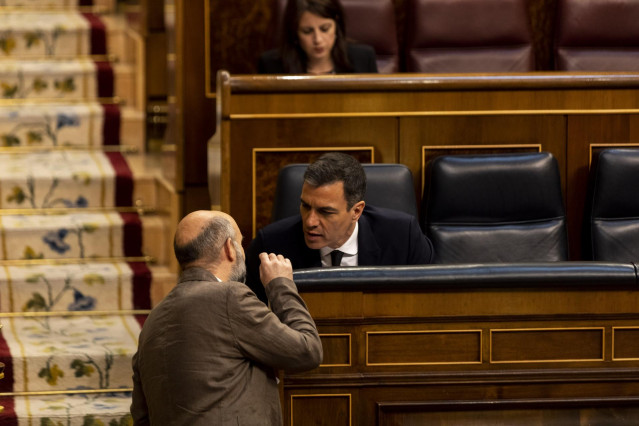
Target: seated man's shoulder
column 278, row 236
column 383, row 214
column 282, row 225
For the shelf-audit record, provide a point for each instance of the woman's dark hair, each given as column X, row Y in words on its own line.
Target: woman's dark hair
column 293, row 57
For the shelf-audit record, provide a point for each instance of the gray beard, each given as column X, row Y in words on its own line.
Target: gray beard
column 238, row 270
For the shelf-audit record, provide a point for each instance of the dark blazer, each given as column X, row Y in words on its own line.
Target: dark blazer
column 361, row 56
column 386, row 237
column 207, row 353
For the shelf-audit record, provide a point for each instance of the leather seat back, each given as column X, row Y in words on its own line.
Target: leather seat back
column 613, row 206
column 495, row 208
column 597, row 35
column 453, row 36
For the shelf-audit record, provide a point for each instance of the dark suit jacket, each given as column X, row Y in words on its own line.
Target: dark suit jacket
column 386, row 237
column 361, row 56
column 208, row 351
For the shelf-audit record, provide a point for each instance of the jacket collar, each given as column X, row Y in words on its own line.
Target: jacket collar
column 368, row 250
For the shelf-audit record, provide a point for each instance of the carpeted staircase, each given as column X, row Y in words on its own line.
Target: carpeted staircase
column 81, row 216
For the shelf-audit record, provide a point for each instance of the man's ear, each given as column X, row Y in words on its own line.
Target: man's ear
column 357, row 210
column 229, row 250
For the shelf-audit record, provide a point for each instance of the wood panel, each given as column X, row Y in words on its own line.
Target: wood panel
column 423, row 347
column 538, row 356
column 496, row 412
column 547, row 345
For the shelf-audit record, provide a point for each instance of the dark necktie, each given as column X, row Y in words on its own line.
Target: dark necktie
column 336, row 257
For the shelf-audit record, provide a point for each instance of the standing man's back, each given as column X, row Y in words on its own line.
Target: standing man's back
column 208, row 353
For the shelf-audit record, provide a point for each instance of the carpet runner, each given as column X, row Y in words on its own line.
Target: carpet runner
column 74, row 287
column 37, row 125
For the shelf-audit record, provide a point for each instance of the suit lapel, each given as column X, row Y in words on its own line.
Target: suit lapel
column 368, row 252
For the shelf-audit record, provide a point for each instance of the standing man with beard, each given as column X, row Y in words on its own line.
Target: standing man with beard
column 208, row 352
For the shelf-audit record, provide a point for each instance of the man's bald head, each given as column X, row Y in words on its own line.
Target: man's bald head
column 200, row 237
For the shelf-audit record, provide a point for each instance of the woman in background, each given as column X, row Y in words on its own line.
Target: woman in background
column 314, row 42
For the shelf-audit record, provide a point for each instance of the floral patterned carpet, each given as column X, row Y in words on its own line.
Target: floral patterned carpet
column 74, row 287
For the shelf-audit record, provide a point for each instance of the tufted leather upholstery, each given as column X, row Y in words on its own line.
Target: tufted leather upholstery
column 468, row 36
column 542, row 275
column 495, row 208
column 387, row 185
column 612, row 214
column 369, row 22
column 597, row 35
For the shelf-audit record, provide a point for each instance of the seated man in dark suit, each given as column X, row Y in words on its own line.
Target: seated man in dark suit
column 335, row 221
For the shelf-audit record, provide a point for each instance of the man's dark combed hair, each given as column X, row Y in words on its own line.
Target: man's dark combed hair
column 338, row 167
column 206, row 245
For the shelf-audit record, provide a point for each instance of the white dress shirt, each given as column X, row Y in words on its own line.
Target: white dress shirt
column 349, row 248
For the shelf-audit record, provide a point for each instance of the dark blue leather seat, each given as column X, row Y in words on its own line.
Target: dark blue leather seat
column 387, row 185
column 612, row 208
column 495, row 208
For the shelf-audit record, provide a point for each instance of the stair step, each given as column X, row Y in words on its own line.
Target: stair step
column 154, row 238
column 39, row 125
column 48, row 79
column 74, row 352
column 105, row 286
column 119, row 41
column 164, row 279
column 61, row 179
column 37, row 34
column 80, row 409
column 133, row 128
column 126, row 85
column 70, row 236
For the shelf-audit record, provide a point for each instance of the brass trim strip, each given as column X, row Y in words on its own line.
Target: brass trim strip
column 394, row 332
column 255, row 151
column 460, row 147
column 614, row 358
column 74, row 313
column 67, row 392
column 528, row 361
column 324, row 395
column 350, row 348
column 26, row 262
column 400, row 114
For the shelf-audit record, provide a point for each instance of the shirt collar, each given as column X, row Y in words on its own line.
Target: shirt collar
column 348, row 248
